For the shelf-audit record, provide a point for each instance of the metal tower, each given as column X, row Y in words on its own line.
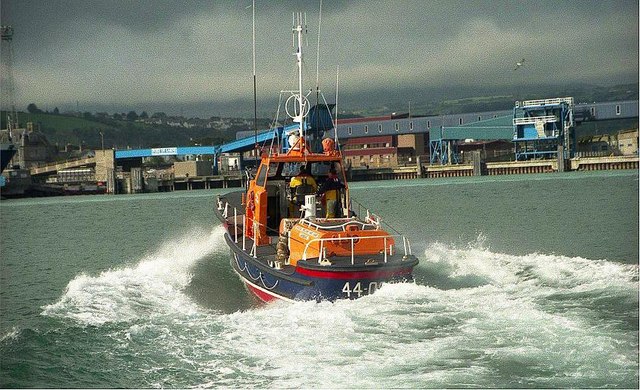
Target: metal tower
column 542, row 128
column 7, row 82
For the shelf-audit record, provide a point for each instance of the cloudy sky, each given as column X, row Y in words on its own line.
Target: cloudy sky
column 152, row 54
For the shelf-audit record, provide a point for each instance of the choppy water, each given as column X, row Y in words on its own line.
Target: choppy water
column 524, row 281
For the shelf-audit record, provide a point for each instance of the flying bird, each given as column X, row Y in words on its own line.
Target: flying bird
column 519, row 64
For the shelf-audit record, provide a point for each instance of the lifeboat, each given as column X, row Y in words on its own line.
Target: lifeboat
column 288, row 250
column 293, row 233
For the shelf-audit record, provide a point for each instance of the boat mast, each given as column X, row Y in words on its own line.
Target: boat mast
column 318, row 57
column 255, row 88
column 298, row 29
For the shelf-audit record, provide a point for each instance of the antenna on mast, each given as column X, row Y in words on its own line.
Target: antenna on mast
column 255, row 88
column 293, row 36
column 335, row 125
column 306, row 40
column 302, row 107
column 318, row 57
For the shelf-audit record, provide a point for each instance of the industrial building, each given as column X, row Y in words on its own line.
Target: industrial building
column 533, row 129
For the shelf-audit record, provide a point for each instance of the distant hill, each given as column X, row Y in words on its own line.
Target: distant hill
column 439, row 102
column 67, row 129
column 85, row 128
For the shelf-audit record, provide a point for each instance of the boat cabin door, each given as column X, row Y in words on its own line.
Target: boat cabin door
column 256, row 207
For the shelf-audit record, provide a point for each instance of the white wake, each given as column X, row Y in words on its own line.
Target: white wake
column 154, row 286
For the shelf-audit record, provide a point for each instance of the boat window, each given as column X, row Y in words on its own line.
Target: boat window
column 290, row 169
column 261, row 178
column 273, row 169
column 320, row 170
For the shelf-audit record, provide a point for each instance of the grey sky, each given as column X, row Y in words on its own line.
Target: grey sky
column 138, row 53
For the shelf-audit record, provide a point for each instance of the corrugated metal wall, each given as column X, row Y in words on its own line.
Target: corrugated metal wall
column 600, row 111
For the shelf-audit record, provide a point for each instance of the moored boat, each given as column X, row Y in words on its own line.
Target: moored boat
column 7, row 151
column 293, row 234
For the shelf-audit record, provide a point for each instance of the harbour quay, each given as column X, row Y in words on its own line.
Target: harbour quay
column 433, row 171
column 185, row 181
column 181, row 176
column 104, row 173
column 531, row 167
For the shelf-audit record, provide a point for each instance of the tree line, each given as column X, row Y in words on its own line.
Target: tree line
column 131, row 116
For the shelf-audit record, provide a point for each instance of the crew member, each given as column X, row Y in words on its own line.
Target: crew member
column 331, row 190
column 302, row 184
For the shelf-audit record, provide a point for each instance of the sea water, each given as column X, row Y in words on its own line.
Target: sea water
column 524, row 281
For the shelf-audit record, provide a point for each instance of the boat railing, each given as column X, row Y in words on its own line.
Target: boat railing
column 387, row 251
column 223, row 208
column 373, row 219
column 342, row 226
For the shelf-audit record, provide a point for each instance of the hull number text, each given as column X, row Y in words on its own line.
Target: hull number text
column 359, row 289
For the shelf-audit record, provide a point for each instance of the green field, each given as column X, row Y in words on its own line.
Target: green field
column 61, row 130
column 61, row 122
